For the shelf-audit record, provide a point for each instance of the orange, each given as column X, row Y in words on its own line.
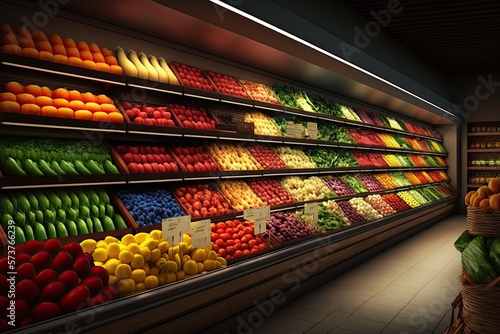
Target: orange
column 469, row 196
column 30, row 52
column 59, row 49
column 31, row 109
column 34, row 90
column 83, row 114
column 26, row 42
column 477, row 200
column 5, row 28
column 89, row 97
column 60, row 93
column 484, row 191
column 8, row 96
column 60, row 103
column 24, row 32
column 46, row 91
column 45, row 55
column 61, row 59
column 94, row 48
column 69, row 43
column 75, row 61
column 115, row 117
column 86, row 55
column 9, row 39
column 56, row 40
column 101, row 98
column 100, row 116
column 98, row 57
column 72, row 52
column 103, row 67
column 10, row 106
column 106, row 52
column 12, row 49
column 76, row 105
column 494, row 185
column 82, row 46
column 43, row 101
column 92, row 106
column 116, row 69
column 25, row 98
column 485, row 203
column 49, row 111
column 74, row 95
column 14, row 87
column 495, row 202
column 111, row 60
column 44, row 46
column 65, row 113
column 40, row 36
column 89, row 64
column 108, row 108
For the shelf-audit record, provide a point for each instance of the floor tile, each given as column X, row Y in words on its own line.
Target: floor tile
column 362, row 325
column 290, row 323
column 271, row 329
column 328, row 323
column 342, row 331
column 396, row 328
column 302, row 313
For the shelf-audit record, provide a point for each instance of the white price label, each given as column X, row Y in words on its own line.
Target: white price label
column 172, row 229
column 259, row 217
column 294, row 130
column 200, row 233
column 312, row 130
column 311, row 209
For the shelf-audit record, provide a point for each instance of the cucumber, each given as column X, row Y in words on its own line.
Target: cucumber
column 119, row 222
column 39, row 216
column 32, row 168
column 72, row 228
column 84, row 211
column 68, row 167
column 19, row 234
column 94, row 167
column 40, row 233
column 102, row 211
column 11, row 167
column 94, row 210
column 81, row 169
column 61, row 230
column 90, row 225
column 28, row 233
column 45, row 168
column 108, row 224
column 110, row 210
column 30, row 218
column 110, row 168
column 51, row 231
column 97, row 225
column 55, row 166
column 82, row 227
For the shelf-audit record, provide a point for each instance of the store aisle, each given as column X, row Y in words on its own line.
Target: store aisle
column 406, row 289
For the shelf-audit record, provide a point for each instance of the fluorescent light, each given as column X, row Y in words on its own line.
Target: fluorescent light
column 329, row 54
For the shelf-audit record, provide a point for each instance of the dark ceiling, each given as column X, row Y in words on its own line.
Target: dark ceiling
column 456, row 37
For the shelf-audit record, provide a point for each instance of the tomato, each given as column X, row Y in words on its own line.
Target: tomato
column 252, row 243
column 222, row 252
column 214, row 237
column 230, row 242
column 238, row 253
column 246, row 252
column 230, row 250
column 220, row 243
column 197, row 204
column 230, row 230
column 244, row 246
column 216, row 248
column 241, row 234
column 248, row 230
column 245, row 239
column 220, row 231
column 221, row 225
column 235, row 236
column 225, row 236
column 262, row 246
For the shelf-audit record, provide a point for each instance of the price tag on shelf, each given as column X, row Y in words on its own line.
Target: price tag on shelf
column 259, row 216
column 311, row 209
column 312, row 130
column 200, row 233
column 294, row 130
column 172, row 229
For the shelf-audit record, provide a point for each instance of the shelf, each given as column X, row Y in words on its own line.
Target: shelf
column 21, row 182
column 484, row 150
column 496, row 168
column 480, row 134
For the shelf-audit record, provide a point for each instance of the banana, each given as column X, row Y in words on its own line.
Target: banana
column 142, row 71
column 172, row 79
column 162, row 75
column 128, row 67
column 153, row 73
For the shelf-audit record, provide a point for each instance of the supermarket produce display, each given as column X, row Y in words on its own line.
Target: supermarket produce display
column 70, row 183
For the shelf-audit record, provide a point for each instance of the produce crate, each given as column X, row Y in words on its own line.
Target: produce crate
column 187, row 74
column 216, row 78
column 132, row 127
column 254, row 88
column 480, row 305
column 192, row 174
column 481, row 222
column 194, row 129
column 7, row 181
column 226, row 119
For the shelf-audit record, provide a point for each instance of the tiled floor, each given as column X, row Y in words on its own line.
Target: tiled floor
column 406, row 289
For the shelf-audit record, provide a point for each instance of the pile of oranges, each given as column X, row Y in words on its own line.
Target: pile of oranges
column 485, row 196
column 61, row 102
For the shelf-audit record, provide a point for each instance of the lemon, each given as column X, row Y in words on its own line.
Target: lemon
column 212, row 255
column 122, row 247
column 134, row 248
column 113, row 280
column 123, row 271
column 141, row 236
column 163, row 246
column 151, row 282
column 190, row 267
column 111, row 265
column 160, row 263
column 137, row 262
column 145, row 267
column 209, row 264
column 186, row 238
column 172, row 266
column 150, row 243
column 100, row 254
column 183, row 247
column 125, row 286
column 113, row 250
column 101, row 244
column 154, row 271
column 201, row 267
column 155, row 234
column 128, row 238
column 222, row 261
column 138, row 275
column 125, row 256
column 180, row 274
column 155, row 255
column 146, row 253
column 139, row 287
column 109, row 240
column 199, row 255
column 171, row 277
column 185, row 259
column 88, row 245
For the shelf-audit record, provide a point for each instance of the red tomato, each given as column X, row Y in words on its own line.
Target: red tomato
column 230, row 250
column 230, row 242
column 238, row 253
column 252, row 243
column 216, row 248
column 221, row 243
column 230, row 230
column 225, row 236
column 248, row 230
column 214, row 237
column 213, row 227
column 221, row 225
column 244, row 246
column 222, row 252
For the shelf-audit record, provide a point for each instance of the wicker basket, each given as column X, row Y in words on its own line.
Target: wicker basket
column 480, row 305
column 483, row 223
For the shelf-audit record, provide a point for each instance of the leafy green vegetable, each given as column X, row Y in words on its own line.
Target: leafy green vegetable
column 293, row 97
column 332, row 132
column 328, row 158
